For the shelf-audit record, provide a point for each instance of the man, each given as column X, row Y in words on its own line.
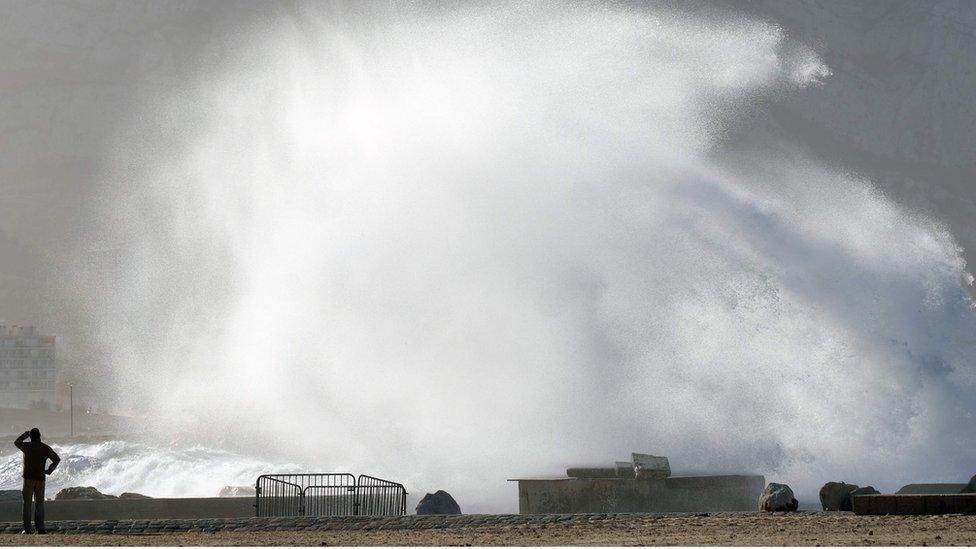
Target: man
column 36, row 454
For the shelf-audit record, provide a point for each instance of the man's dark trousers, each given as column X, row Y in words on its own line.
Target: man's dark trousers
column 34, row 489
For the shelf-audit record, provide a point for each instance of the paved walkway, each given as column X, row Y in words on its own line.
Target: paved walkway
column 310, row 524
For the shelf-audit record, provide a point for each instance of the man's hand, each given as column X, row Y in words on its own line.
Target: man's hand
column 49, row 470
column 26, row 434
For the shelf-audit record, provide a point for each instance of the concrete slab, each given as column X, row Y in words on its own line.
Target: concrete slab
column 933, row 488
column 591, row 472
column 915, row 504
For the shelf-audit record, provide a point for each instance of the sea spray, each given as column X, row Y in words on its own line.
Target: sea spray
column 452, row 247
column 157, row 470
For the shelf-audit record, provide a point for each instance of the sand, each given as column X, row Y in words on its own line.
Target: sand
column 752, row 529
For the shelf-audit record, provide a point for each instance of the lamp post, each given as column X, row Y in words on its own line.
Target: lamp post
column 71, row 407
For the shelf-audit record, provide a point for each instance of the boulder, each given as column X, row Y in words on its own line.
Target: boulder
column 777, row 497
column 132, row 495
column 647, row 466
column 836, row 496
column 81, row 492
column 236, row 492
column 11, row 495
column 438, row 503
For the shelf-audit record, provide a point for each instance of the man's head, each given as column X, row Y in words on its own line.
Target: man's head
column 35, row 434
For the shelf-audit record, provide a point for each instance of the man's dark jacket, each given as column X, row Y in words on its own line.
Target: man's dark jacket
column 36, row 454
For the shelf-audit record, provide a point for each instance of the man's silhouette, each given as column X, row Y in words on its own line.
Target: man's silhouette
column 36, row 454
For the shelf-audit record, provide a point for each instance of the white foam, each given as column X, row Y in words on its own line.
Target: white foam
column 155, row 470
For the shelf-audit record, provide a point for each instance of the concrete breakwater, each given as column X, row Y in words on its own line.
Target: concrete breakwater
column 669, row 495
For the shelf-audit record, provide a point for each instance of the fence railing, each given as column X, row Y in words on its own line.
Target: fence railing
column 328, row 494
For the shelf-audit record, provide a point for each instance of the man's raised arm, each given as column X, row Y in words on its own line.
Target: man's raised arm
column 19, row 443
column 55, row 460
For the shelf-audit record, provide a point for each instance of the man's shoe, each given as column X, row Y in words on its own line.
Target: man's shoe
column 41, row 532
column 26, row 532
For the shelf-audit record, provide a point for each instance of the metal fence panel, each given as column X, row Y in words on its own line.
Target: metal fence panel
column 328, row 494
column 380, row 497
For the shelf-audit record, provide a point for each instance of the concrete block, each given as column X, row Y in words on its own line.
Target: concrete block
column 909, row 506
column 591, row 472
column 935, row 505
column 625, row 469
column 648, row 466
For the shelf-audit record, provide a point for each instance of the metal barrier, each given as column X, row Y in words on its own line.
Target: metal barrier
column 328, row 494
column 380, row 497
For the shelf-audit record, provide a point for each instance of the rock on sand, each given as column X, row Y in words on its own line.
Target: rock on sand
column 836, row 496
column 777, row 497
column 438, row 503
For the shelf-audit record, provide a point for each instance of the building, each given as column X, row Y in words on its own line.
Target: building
column 28, row 371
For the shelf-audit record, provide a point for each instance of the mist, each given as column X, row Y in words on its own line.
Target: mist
column 457, row 247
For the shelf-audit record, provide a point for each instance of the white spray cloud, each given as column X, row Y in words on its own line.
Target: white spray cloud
column 454, row 248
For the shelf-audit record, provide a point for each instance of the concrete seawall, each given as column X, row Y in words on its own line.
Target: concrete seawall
column 670, row 495
column 125, row 509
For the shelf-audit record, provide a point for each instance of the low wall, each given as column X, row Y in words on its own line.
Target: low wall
column 915, row 504
column 696, row 494
column 121, row 509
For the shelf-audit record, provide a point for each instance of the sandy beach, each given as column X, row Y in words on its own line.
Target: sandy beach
column 805, row 529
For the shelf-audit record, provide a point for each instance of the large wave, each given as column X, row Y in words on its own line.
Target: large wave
column 176, row 469
column 450, row 247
